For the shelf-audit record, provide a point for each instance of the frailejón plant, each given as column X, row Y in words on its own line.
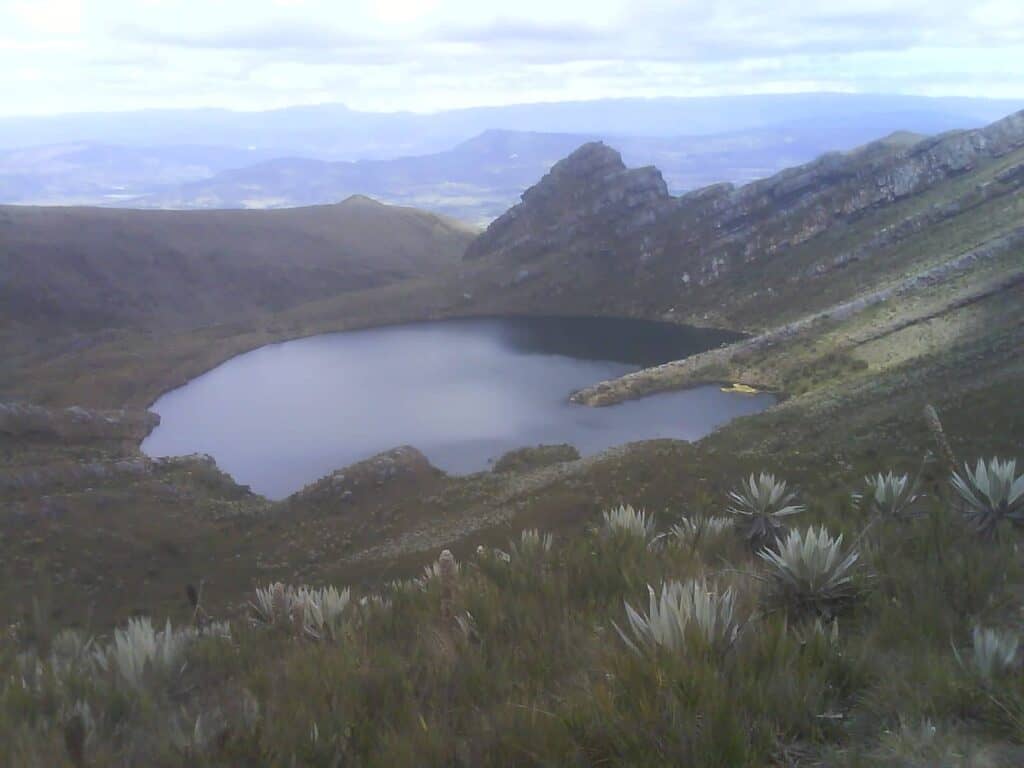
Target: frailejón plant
column 761, row 505
column 682, row 614
column 315, row 613
column 624, row 520
column 888, row 496
column 140, row 649
column 994, row 651
column 809, row 572
column 992, row 492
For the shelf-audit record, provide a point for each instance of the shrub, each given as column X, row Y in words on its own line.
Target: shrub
column 991, row 493
column 682, row 613
column 810, row 573
column 760, row 506
column 624, row 520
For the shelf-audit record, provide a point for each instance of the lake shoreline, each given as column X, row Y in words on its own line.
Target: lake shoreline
column 513, row 372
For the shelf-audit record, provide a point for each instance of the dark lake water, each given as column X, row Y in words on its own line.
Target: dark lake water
column 462, row 391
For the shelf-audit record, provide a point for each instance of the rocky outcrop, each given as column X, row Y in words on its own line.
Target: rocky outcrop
column 795, row 205
column 75, row 424
column 765, row 217
column 398, row 468
column 591, row 188
column 526, row 459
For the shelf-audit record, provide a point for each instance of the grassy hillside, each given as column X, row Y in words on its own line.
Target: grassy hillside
column 78, row 278
column 88, row 268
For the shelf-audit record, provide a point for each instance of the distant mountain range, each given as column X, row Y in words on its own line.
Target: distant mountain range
column 480, row 178
column 334, row 132
column 470, row 164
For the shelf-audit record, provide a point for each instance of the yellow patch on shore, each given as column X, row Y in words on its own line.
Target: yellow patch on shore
column 741, row 389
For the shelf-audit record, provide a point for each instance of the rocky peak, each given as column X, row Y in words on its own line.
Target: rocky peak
column 591, row 164
column 591, row 188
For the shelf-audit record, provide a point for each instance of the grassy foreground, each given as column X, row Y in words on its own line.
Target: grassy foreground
column 528, row 655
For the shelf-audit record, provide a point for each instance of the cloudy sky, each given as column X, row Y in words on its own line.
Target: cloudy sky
column 426, row 55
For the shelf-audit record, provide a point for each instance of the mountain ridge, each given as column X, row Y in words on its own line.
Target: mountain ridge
column 700, row 236
column 87, row 268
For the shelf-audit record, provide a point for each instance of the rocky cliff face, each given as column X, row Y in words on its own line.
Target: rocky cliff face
column 668, row 256
column 795, row 205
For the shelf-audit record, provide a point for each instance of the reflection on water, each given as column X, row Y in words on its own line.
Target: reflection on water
column 462, row 391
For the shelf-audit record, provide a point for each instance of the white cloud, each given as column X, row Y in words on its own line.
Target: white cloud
column 403, row 11
column 435, row 54
column 49, row 17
